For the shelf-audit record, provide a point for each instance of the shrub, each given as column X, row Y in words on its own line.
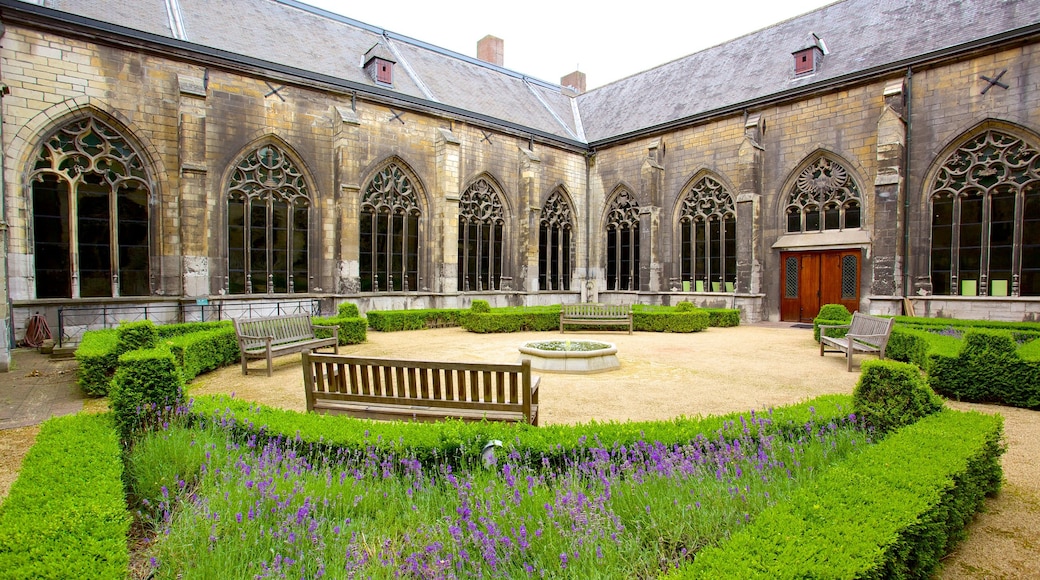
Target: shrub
column 723, row 317
column 352, row 330
column 480, row 306
column 147, row 382
column 685, row 306
column 891, row 511
column 523, row 319
column 831, row 314
column 199, row 352
column 909, row 345
column 348, row 310
column 892, row 394
column 394, row 320
column 988, row 369
column 66, row 513
column 97, row 356
column 135, row 335
column 182, row 328
column 674, row 321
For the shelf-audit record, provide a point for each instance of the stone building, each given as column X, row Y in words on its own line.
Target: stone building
column 185, row 159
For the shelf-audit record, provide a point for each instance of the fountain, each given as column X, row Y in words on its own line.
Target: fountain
column 570, row 356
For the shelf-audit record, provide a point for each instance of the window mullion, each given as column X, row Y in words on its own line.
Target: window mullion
column 74, row 234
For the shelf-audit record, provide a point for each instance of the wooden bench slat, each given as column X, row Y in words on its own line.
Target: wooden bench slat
column 865, row 333
column 400, row 388
column 266, row 338
column 596, row 315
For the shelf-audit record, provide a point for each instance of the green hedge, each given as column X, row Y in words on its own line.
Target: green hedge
column 204, row 351
column 723, row 317
column 352, row 329
column 455, row 441
column 66, row 513
column 348, row 310
column 831, row 314
column 513, row 319
column 892, row 394
column 147, row 384
column 988, row 369
column 136, row 335
column 96, row 359
column 166, row 331
column 674, row 321
column 1023, row 330
column 394, row 320
column 891, row 511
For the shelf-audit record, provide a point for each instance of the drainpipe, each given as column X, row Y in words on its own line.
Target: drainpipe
column 907, row 286
column 4, row 231
column 588, row 220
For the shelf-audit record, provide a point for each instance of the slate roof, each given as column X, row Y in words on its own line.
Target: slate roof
column 860, row 35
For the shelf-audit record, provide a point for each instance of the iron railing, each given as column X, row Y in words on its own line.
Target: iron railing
column 73, row 321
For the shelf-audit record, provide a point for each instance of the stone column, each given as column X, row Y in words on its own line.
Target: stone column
column 651, row 176
column 749, row 196
column 449, row 155
column 888, row 194
column 197, row 270
column 527, row 237
column 347, row 194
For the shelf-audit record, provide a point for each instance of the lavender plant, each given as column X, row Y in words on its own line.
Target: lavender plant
column 268, row 511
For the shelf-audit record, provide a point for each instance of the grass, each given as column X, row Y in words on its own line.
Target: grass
column 221, row 508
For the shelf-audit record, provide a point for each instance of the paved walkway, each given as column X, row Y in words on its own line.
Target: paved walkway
column 37, row 388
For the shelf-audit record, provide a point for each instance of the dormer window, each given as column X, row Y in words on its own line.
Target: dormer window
column 379, row 64
column 807, row 59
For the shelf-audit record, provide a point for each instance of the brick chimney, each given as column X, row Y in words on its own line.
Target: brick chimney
column 574, row 81
column 491, row 49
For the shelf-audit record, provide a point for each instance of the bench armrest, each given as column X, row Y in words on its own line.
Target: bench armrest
column 534, row 385
column 823, row 326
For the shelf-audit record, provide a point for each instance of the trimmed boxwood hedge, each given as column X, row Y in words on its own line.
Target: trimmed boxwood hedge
column 66, row 516
column 96, row 359
column 986, row 365
column 891, row 511
column 199, row 352
column 892, row 394
column 394, row 320
column 352, row 329
column 831, row 314
column 512, row 319
column 147, row 382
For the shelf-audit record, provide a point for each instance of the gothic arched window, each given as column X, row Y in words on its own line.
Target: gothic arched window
column 554, row 243
column 708, row 237
column 389, row 233
column 623, row 243
column 268, row 215
column 986, row 219
column 480, row 237
column 90, row 193
column 825, row 197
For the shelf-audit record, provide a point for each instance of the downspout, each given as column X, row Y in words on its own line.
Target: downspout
column 907, row 287
column 588, row 221
column 5, row 365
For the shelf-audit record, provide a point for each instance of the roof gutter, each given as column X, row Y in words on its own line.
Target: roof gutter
column 921, row 61
column 32, row 15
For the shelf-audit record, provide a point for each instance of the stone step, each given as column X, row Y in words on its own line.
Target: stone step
column 63, row 352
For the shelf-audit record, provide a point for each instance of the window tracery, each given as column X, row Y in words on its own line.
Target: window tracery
column 554, row 243
column 708, row 245
column 824, row 197
column 389, row 232
column 481, row 220
column 623, row 242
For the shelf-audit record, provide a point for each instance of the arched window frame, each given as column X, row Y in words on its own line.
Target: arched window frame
column 622, row 230
column 824, row 197
column 555, row 228
column 984, row 203
column 389, row 234
column 268, row 220
column 708, row 243
column 481, row 237
column 90, row 170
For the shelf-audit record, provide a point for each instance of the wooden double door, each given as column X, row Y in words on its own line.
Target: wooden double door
column 808, row 280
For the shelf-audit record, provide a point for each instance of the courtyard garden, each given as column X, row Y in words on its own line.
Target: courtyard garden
column 652, row 472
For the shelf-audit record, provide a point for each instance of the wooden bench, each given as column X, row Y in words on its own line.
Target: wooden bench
column 377, row 388
column 587, row 314
column 279, row 335
column 866, row 333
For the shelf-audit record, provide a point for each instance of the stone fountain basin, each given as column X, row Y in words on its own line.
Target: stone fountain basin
column 589, row 359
